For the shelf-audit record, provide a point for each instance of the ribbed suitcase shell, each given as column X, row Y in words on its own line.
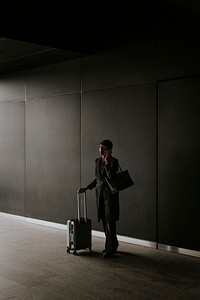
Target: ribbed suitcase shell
column 79, row 230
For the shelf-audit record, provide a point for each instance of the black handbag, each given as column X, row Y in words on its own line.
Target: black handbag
column 120, row 182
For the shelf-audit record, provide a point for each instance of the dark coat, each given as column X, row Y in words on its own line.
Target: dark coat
column 107, row 203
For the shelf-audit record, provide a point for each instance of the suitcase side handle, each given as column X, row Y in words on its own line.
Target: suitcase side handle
column 84, row 206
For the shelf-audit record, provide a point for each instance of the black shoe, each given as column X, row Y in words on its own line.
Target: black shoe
column 113, row 251
column 108, row 254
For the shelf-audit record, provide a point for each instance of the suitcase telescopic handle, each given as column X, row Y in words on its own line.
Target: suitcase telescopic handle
column 84, row 206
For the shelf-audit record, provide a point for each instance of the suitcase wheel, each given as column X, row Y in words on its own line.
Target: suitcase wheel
column 68, row 250
column 74, row 252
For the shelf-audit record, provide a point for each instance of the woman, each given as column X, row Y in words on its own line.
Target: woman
column 106, row 166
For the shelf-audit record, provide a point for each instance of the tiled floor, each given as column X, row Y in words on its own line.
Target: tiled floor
column 34, row 265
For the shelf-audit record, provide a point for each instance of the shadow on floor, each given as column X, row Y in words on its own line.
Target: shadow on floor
column 168, row 265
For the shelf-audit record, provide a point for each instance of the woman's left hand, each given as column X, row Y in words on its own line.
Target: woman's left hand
column 106, row 156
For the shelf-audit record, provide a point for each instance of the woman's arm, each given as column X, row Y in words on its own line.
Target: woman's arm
column 90, row 186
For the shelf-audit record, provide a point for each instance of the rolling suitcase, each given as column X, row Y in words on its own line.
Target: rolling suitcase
column 79, row 230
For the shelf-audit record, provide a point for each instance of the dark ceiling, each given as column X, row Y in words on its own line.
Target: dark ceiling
column 33, row 36
column 18, row 55
column 36, row 38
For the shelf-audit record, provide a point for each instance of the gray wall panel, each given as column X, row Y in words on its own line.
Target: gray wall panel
column 127, row 116
column 178, row 56
column 53, row 157
column 53, row 79
column 12, row 87
column 12, row 157
column 131, row 63
column 179, row 161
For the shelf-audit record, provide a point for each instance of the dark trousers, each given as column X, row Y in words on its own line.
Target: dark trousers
column 111, row 243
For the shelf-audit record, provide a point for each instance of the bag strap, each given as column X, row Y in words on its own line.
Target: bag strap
column 119, row 168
